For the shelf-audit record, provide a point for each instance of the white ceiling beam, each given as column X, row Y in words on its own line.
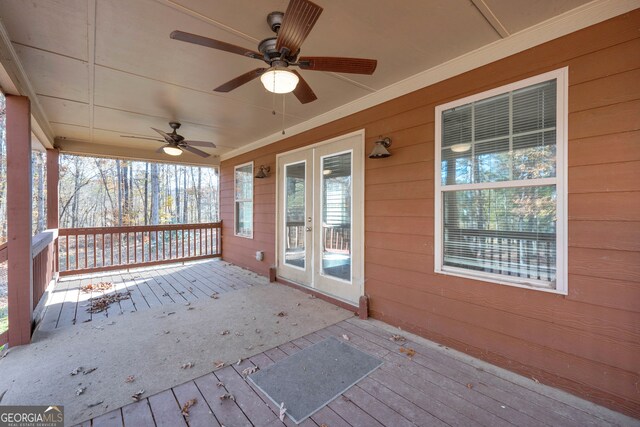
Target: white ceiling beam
column 491, row 18
column 14, row 81
column 84, row 148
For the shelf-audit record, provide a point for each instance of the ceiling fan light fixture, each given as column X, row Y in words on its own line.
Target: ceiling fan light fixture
column 278, row 80
column 172, row 151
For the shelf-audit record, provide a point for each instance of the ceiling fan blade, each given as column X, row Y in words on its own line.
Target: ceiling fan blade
column 165, row 135
column 303, row 91
column 299, row 19
column 195, row 151
column 200, row 144
column 337, row 64
column 240, row 80
column 141, row 137
column 214, row 44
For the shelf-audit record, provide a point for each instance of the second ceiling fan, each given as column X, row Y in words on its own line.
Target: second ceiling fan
column 282, row 52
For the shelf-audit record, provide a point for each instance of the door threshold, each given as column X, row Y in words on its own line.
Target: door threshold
column 331, row 299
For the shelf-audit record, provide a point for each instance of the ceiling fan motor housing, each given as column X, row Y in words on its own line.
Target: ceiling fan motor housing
column 274, row 19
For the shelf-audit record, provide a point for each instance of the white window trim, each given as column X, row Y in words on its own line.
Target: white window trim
column 561, row 287
column 235, row 202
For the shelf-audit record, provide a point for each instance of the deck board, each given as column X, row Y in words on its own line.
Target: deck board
column 149, row 287
column 426, row 390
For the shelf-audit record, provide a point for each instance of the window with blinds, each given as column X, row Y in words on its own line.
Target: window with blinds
column 500, row 184
column 243, row 198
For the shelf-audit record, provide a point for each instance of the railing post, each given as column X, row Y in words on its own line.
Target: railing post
column 20, row 271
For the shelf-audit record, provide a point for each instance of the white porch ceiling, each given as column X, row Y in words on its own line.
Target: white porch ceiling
column 102, row 68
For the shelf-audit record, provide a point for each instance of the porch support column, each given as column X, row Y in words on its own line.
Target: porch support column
column 18, row 132
column 53, row 173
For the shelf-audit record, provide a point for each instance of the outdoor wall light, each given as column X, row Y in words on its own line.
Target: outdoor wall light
column 172, row 151
column 278, row 80
column 380, row 149
column 263, row 171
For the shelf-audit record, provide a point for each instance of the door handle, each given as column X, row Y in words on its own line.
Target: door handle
column 308, row 228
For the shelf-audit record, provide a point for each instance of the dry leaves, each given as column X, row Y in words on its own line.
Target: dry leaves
column 283, row 410
column 397, row 338
column 187, row 405
column 97, row 287
column 80, row 369
column 282, row 314
column 469, row 386
column 220, row 384
column 98, row 304
column 137, row 395
column 80, row 390
column 345, row 337
column 250, row 370
column 91, row 405
column 88, row 371
column 408, row 351
column 227, row 396
column 188, row 365
column 225, row 332
column 218, row 364
column 130, row 379
column 214, row 296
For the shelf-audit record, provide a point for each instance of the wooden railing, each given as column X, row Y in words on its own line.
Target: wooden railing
column 43, row 252
column 86, row 250
column 336, row 238
column 513, row 253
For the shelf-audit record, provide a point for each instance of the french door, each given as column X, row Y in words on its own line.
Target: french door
column 320, row 222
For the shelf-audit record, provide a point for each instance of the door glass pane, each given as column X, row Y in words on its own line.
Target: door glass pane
column 295, row 234
column 336, row 216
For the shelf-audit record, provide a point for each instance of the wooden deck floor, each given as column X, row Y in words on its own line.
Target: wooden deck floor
column 437, row 387
column 149, row 287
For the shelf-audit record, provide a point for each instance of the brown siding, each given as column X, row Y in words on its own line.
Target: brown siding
column 587, row 342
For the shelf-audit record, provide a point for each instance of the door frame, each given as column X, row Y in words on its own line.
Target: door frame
column 357, row 271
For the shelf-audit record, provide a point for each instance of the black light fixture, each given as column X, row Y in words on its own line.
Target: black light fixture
column 263, row 172
column 380, row 149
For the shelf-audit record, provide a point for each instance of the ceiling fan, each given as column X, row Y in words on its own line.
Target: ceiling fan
column 175, row 143
column 281, row 52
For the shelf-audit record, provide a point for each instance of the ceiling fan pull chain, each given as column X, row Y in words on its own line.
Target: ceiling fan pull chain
column 274, row 96
column 283, row 98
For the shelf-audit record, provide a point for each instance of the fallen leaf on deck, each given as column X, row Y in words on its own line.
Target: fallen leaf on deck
column 170, row 313
column 91, row 405
column 220, row 384
column 188, row 304
column 408, row 351
column 282, row 411
column 346, row 337
column 80, row 390
column 137, row 395
column 166, row 332
column 214, row 296
column 98, row 304
column 250, row 370
column 130, row 379
column 239, row 334
column 225, row 332
column 227, row 396
column 88, row 371
column 535, row 380
column 188, row 404
column 188, row 365
column 76, row 371
column 239, row 362
column 397, row 338
column 469, row 386
column 99, row 287
column 218, row 364
column 282, row 314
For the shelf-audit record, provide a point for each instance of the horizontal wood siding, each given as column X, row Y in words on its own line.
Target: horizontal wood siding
column 587, row 342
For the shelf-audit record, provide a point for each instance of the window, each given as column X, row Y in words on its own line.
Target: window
column 244, row 200
column 501, row 185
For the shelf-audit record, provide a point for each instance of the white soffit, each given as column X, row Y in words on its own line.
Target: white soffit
column 558, row 26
